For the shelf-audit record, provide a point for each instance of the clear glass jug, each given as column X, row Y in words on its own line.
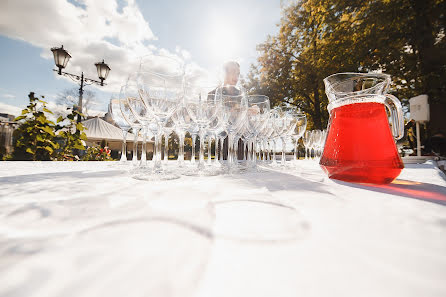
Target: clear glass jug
column 360, row 145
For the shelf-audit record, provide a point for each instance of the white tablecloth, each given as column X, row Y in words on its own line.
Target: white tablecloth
column 89, row 229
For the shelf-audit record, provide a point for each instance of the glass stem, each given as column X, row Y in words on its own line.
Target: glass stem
column 295, row 149
column 124, row 146
column 201, row 153
column 144, row 147
column 166, row 148
column 230, row 149
column 157, row 163
column 268, row 157
column 194, row 139
column 222, row 141
column 209, row 150
column 181, row 136
column 254, row 150
column 283, row 152
column 135, row 146
column 236, row 146
column 217, row 141
column 250, row 158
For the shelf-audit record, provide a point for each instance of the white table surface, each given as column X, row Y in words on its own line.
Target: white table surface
column 89, row 229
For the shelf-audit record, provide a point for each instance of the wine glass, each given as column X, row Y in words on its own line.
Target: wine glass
column 141, row 113
column 257, row 117
column 132, row 120
column 316, row 137
column 292, row 118
column 161, row 94
column 214, row 129
column 278, row 121
column 299, row 130
column 203, row 109
column 233, row 114
column 183, row 123
column 119, row 119
column 307, row 141
column 267, row 133
column 167, row 131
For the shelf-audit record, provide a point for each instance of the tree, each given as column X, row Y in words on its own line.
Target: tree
column 70, row 98
column 316, row 38
column 35, row 137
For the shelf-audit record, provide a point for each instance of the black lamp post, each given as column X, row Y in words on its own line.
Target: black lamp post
column 61, row 58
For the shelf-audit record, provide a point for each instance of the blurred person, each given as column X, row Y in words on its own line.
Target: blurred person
column 231, row 71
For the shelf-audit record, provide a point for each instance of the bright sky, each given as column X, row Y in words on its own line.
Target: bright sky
column 205, row 32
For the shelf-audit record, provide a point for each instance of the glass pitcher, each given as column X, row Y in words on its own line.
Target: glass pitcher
column 360, row 144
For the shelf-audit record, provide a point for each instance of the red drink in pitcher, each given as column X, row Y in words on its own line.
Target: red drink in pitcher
column 360, row 146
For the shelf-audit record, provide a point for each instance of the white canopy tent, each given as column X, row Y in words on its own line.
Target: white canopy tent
column 97, row 130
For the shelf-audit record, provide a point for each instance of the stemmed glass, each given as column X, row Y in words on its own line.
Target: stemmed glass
column 257, row 118
column 292, row 118
column 283, row 124
column 307, row 141
column 220, row 139
column 299, row 130
column 132, row 120
column 267, row 133
column 278, row 126
column 161, row 93
column 183, row 122
column 214, row 129
column 203, row 109
column 315, row 143
column 167, row 131
column 234, row 107
column 118, row 118
column 140, row 112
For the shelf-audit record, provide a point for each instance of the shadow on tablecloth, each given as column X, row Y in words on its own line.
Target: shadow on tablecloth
column 405, row 188
column 81, row 174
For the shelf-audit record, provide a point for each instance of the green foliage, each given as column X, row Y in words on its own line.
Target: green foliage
column 38, row 138
column 404, row 38
column 96, row 153
column 35, row 137
column 72, row 135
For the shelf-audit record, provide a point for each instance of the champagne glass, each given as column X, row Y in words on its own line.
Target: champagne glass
column 167, row 131
column 299, row 130
column 214, row 129
column 203, row 109
column 140, row 112
column 307, row 141
column 132, row 120
column 119, row 119
column 183, row 123
column 257, row 117
column 161, row 94
column 315, row 136
column 234, row 108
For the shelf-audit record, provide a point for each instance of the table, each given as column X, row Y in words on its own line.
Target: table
column 89, row 229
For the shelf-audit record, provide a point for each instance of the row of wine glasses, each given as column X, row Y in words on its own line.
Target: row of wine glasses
column 163, row 97
column 314, row 141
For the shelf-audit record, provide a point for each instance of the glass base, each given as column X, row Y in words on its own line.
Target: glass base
column 206, row 171
column 155, row 177
column 148, row 174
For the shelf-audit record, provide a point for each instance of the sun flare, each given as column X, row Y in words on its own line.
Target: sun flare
column 223, row 41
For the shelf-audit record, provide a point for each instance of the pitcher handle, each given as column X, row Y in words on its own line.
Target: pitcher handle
column 396, row 112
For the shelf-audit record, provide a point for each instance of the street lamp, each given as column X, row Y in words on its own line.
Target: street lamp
column 103, row 71
column 61, row 58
